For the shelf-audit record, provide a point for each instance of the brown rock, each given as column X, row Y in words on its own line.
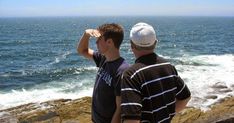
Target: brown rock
column 56, row 111
column 71, row 121
column 8, row 118
column 218, row 113
column 211, row 97
column 219, row 85
column 79, row 111
column 187, row 116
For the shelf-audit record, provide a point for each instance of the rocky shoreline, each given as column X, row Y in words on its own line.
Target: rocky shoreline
column 79, row 111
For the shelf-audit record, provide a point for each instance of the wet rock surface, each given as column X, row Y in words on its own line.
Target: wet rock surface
column 79, row 111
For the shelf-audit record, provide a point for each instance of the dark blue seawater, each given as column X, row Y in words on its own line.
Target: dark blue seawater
column 38, row 55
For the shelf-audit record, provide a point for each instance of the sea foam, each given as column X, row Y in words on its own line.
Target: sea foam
column 210, row 80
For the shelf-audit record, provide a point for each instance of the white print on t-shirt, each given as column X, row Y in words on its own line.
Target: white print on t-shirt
column 105, row 76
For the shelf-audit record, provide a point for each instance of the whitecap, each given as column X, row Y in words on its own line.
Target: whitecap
column 45, row 92
column 60, row 57
column 202, row 80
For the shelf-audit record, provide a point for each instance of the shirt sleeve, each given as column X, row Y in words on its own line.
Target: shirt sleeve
column 182, row 91
column 97, row 57
column 117, row 86
column 119, row 74
column 131, row 98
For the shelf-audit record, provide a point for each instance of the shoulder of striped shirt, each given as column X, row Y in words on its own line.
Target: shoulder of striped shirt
column 150, row 66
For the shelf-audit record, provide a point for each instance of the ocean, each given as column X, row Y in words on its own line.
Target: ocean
column 39, row 62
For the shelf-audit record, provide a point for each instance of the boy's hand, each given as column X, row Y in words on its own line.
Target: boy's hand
column 93, row 33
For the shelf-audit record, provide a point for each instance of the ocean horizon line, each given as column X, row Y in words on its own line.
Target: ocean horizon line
column 76, row 16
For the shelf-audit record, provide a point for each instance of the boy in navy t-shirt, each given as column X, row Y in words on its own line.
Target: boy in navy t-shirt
column 106, row 93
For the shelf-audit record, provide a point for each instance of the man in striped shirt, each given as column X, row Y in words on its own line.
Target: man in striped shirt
column 151, row 89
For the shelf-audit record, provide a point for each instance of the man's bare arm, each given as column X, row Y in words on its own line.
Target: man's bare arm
column 181, row 104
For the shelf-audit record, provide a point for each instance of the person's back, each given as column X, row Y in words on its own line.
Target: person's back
column 151, row 88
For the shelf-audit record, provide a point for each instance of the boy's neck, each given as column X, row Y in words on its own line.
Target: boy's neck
column 112, row 55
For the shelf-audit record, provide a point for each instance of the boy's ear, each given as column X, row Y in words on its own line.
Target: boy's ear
column 109, row 41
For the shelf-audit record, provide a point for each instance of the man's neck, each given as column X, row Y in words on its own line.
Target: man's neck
column 142, row 53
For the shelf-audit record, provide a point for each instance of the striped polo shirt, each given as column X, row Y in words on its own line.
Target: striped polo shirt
column 149, row 90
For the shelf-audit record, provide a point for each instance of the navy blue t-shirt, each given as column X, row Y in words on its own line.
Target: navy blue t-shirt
column 107, row 87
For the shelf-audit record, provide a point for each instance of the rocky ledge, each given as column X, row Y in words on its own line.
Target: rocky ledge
column 79, row 111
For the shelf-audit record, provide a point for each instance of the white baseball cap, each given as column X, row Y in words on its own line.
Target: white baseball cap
column 143, row 35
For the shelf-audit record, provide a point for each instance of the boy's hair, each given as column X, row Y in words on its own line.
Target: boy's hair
column 113, row 31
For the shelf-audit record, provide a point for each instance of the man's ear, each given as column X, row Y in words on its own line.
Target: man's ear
column 132, row 46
